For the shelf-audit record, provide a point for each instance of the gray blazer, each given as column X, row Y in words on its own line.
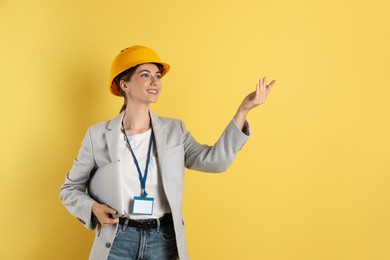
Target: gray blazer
column 176, row 149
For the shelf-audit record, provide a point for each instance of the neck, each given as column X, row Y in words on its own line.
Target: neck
column 136, row 119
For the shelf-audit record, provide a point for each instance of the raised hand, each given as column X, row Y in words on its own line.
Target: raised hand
column 258, row 96
column 254, row 99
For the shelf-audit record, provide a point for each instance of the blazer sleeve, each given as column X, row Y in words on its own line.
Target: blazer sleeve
column 219, row 157
column 73, row 191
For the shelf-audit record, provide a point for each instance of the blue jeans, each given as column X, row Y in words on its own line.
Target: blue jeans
column 151, row 244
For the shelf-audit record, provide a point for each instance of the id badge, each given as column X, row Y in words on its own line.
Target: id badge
column 143, row 206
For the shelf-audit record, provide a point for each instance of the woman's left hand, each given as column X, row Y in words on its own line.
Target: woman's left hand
column 253, row 100
column 258, row 96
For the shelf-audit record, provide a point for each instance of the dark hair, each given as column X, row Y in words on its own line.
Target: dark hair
column 126, row 76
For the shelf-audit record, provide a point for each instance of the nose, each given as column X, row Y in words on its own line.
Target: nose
column 155, row 80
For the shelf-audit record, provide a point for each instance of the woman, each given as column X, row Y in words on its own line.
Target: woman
column 128, row 177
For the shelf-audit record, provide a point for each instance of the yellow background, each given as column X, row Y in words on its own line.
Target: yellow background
column 312, row 182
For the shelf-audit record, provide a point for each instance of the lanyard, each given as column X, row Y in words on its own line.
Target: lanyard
column 141, row 179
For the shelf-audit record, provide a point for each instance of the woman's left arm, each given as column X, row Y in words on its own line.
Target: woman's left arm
column 218, row 158
column 253, row 100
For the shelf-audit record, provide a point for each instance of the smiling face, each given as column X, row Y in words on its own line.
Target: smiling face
column 144, row 86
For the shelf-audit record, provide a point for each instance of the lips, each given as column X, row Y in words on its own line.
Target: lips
column 152, row 91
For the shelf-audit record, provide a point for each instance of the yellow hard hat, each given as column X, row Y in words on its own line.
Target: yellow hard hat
column 130, row 57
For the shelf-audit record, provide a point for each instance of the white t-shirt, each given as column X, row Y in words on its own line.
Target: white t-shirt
column 131, row 184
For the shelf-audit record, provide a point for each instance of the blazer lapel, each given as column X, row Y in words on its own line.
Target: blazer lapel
column 159, row 137
column 114, row 127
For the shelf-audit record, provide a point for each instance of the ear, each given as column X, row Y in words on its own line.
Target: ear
column 124, row 86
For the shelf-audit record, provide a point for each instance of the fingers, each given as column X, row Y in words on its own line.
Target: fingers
column 110, row 210
column 271, row 84
column 109, row 221
column 262, row 90
column 258, row 90
column 104, row 213
column 258, row 96
column 106, row 218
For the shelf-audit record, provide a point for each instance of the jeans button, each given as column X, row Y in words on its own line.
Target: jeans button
column 108, row 245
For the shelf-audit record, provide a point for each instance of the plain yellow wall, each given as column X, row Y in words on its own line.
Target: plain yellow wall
column 312, row 182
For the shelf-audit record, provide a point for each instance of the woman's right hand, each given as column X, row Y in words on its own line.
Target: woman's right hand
column 104, row 214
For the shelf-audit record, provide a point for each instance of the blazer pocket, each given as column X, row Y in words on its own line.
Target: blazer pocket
column 174, row 149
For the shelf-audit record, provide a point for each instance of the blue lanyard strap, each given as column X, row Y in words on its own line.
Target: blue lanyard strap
column 141, row 179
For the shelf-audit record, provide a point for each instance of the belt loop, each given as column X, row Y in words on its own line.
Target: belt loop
column 158, row 225
column 125, row 224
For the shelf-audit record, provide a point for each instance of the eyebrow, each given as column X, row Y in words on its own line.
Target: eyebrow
column 145, row 70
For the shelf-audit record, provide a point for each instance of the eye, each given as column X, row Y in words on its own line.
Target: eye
column 145, row 75
column 158, row 76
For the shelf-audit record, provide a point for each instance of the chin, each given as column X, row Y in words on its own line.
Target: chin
column 155, row 99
